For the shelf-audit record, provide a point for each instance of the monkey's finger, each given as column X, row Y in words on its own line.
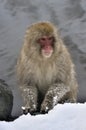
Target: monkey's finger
column 25, row 110
column 44, row 110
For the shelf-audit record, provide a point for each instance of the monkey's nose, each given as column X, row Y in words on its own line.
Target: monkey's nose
column 48, row 48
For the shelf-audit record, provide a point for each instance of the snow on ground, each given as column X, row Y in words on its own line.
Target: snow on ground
column 62, row 117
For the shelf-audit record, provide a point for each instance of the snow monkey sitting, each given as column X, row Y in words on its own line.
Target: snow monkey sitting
column 45, row 70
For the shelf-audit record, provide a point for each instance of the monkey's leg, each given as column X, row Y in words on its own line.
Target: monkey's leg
column 56, row 93
column 29, row 94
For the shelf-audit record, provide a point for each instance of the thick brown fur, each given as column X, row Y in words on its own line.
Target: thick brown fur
column 44, row 82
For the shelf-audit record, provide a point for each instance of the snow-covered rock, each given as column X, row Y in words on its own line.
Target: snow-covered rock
column 62, row 117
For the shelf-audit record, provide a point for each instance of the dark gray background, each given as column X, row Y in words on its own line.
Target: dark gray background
column 17, row 15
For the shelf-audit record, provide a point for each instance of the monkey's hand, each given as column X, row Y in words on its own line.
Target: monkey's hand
column 47, row 104
column 56, row 93
column 29, row 109
column 29, row 94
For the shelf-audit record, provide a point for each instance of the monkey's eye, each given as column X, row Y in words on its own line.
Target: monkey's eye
column 50, row 38
column 46, row 40
column 42, row 39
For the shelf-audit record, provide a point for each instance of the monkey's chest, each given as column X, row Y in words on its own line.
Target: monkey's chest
column 44, row 77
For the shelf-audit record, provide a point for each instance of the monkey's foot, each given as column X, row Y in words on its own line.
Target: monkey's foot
column 27, row 110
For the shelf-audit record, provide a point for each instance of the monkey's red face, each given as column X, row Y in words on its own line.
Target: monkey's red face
column 47, row 45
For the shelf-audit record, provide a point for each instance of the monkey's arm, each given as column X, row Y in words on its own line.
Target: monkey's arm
column 57, row 93
column 29, row 94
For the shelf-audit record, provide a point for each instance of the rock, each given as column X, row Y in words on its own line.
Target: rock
column 6, row 101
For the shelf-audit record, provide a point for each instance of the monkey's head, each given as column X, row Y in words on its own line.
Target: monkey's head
column 42, row 36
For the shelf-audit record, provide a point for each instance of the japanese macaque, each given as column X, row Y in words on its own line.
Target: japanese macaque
column 45, row 70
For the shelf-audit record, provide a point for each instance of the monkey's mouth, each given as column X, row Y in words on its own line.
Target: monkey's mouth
column 47, row 53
